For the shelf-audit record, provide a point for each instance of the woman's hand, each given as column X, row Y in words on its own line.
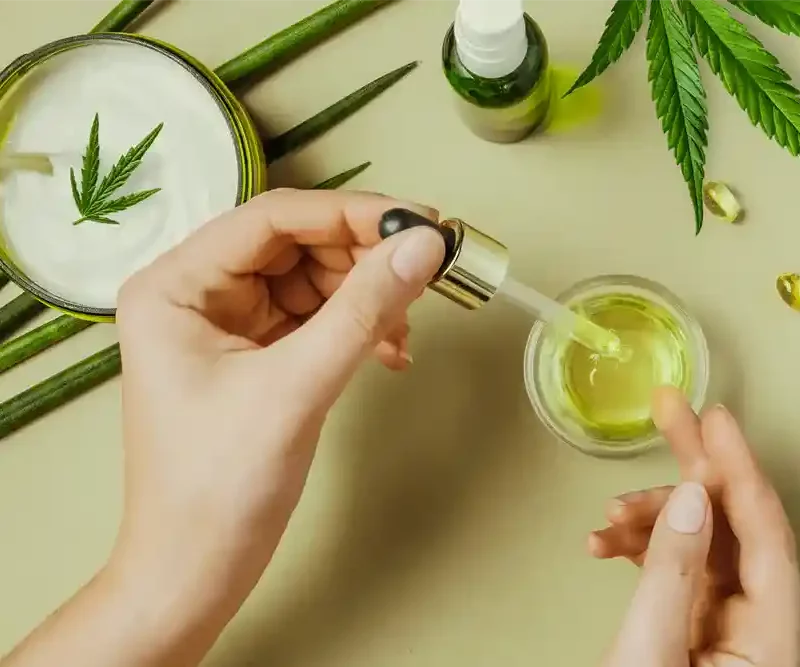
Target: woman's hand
column 235, row 345
column 719, row 585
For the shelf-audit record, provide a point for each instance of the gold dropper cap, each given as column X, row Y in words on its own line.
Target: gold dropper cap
column 476, row 269
column 474, row 266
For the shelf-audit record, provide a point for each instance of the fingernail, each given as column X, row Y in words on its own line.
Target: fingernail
column 405, row 356
column 723, row 411
column 596, row 545
column 687, row 507
column 419, row 255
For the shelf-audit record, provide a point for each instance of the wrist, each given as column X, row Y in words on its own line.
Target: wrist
column 178, row 597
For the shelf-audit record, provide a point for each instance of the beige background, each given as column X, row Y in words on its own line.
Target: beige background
column 441, row 525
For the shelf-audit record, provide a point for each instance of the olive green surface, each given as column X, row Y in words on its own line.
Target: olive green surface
column 442, row 525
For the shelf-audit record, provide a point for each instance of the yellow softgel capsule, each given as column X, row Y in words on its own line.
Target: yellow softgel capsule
column 721, row 202
column 788, row 286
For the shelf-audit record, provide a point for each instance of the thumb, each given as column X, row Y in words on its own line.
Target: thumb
column 371, row 300
column 657, row 628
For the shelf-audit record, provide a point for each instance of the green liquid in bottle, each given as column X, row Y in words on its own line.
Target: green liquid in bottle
column 508, row 108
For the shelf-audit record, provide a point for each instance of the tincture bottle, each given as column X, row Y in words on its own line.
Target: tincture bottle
column 496, row 61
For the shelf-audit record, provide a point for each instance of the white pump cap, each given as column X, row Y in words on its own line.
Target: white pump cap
column 490, row 36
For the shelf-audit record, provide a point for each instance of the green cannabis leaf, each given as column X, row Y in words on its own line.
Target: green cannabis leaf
column 748, row 71
column 679, row 96
column 93, row 200
column 622, row 25
column 781, row 14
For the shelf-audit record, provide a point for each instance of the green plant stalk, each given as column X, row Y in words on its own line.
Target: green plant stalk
column 59, row 389
column 295, row 40
column 317, row 125
column 340, row 179
column 123, row 14
column 22, row 348
column 17, row 312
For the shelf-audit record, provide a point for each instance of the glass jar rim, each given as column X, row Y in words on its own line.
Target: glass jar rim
column 604, row 285
column 250, row 162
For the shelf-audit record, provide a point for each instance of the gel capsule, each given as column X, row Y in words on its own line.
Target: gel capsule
column 722, row 203
column 788, row 285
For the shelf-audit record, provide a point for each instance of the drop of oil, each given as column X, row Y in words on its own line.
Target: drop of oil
column 788, row 286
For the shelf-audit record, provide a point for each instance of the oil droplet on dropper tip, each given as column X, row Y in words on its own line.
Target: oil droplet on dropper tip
column 602, row 341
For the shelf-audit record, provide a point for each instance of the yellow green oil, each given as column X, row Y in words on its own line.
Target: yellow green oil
column 610, row 395
column 788, row 286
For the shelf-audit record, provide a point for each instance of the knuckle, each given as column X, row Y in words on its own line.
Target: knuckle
column 134, row 296
column 674, row 565
column 277, row 194
column 361, row 323
column 131, row 294
column 678, row 569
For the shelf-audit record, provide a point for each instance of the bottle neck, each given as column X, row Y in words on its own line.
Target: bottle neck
column 490, row 49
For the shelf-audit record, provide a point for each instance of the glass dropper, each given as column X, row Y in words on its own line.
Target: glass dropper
column 475, row 268
column 38, row 162
column 581, row 329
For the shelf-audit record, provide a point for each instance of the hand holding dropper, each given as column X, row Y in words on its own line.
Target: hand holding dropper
column 580, row 329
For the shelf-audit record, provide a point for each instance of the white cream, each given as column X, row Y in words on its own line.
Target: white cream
column 133, row 89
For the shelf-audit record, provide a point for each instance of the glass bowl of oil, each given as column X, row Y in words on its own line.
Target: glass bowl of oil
column 599, row 404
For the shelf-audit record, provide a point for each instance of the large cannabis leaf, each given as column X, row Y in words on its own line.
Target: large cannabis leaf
column 621, row 27
column 679, row 96
column 781, row 14
column 749, row 72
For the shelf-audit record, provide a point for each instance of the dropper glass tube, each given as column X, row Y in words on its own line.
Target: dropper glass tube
column 596, row 405
column 563, row 319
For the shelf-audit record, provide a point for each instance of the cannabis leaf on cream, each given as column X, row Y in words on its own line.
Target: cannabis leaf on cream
column 678, row 29
column 94, row 200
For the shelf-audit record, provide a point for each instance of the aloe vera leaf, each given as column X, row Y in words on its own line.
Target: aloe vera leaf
column 328, row 118
column 59, row 389
column 122, row 15
column 13, row 352
column 18, row 312
column 340, row 179
column 267, row 56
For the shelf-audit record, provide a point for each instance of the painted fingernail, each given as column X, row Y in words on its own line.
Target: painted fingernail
column 687, row 508
column 419, row 256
